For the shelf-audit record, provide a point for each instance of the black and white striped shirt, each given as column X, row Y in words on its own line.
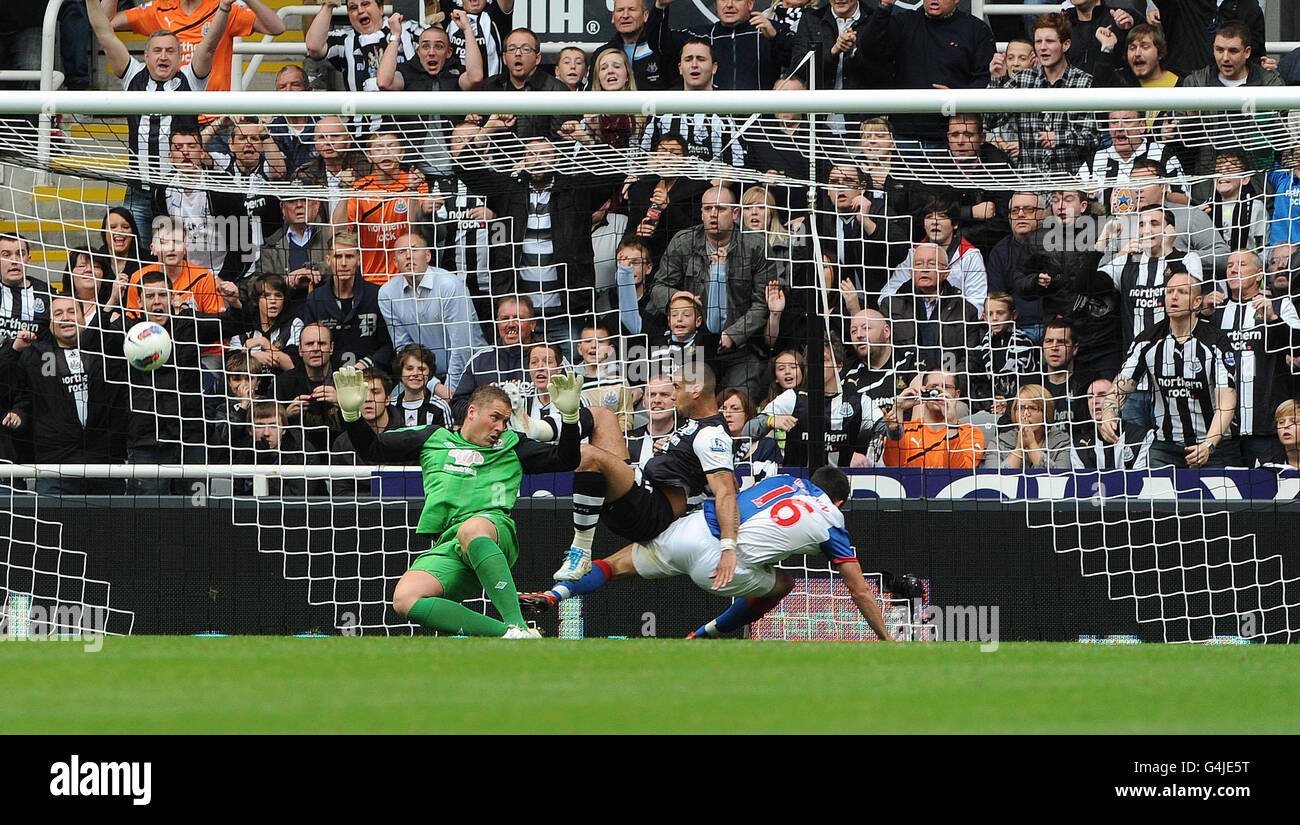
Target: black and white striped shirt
column 1243, row 223
column 1185, row 376
column 357, row 56
column 76, row 382
column 1003, row 357
column 24, row 307
column 432, row 410
column 708, row 137
column 537, row 251
column 882, row 385
column 1260, row 347
column 1107, row 176
column 1140, row 280
column 1089, row 451
column 462, row 240
column 149, row 136
column 491, row 27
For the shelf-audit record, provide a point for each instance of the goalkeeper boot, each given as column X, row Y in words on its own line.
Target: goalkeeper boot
column 514, row 631
column 577, row 563
column 537, row 603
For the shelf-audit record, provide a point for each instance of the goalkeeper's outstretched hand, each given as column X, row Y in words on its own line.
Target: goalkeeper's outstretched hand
column 350, row 387
column 566, row 395
column 519, row 417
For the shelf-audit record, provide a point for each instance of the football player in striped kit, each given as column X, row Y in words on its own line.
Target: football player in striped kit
column 1192, row 367
column 1260, row 330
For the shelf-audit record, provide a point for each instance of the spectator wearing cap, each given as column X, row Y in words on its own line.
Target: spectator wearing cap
column 299, row 249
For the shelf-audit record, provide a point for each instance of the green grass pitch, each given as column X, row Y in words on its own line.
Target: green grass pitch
column 407, row 685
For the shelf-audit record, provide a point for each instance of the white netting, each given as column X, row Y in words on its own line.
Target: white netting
column 842, row 218
column 48, row 591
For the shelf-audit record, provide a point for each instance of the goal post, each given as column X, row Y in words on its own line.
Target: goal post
column 844, row 232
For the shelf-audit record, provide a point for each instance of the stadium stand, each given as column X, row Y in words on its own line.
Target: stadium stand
column 1088, row 231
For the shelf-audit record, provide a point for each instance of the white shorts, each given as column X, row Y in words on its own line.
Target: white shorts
column 687, row 548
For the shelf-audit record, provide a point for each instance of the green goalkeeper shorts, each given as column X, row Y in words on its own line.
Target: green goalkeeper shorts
column 445, row 562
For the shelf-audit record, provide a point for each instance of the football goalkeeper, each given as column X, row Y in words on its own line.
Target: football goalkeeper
column 471, row 481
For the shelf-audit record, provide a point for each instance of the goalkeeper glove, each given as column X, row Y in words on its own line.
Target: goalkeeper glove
column 350, row 387
column 519, row 417
column 566, row 395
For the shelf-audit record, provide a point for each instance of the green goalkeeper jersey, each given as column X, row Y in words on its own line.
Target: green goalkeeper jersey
column 462, row 479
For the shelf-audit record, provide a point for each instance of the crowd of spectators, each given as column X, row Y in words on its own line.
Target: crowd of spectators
column 1136, row 312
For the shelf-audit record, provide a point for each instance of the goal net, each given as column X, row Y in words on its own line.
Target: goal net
column 956, row 280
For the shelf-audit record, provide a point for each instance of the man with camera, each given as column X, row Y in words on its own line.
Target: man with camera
column 937, row 438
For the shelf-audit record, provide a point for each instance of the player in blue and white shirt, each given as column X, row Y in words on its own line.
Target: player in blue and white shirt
column 781, row 516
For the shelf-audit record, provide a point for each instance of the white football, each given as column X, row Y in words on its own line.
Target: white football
column 147, row 346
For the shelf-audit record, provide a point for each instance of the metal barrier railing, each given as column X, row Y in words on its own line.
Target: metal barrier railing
column 51, row 79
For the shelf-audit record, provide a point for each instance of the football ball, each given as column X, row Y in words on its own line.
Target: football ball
column 147, row 346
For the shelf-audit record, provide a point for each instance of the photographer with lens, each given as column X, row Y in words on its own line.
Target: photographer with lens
column 936, row 437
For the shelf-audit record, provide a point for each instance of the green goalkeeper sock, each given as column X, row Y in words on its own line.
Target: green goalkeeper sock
column 453, row 617
column 493, row 573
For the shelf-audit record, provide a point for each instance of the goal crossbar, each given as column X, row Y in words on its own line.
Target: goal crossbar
column 888, row 101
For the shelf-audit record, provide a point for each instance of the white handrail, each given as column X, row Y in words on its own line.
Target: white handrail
column 731, row 102
column 45, row 124
column 266, row 47
column 159, row 471
column 24, row 75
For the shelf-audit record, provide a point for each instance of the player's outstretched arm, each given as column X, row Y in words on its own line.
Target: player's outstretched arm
column 864, row 598
column 115, row 50
column 520, row 419
column 395, row 447
column 723, row 485
column 206, row 51
column 566, row 454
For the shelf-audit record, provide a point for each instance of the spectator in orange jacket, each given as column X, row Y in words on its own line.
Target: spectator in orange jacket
column 936, row 438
